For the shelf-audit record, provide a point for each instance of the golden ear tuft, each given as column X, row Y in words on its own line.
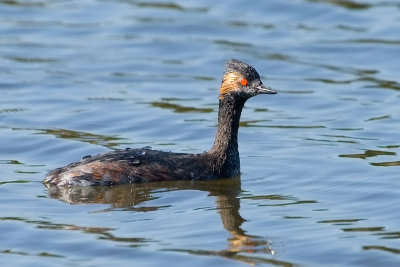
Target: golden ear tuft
column 230, row 82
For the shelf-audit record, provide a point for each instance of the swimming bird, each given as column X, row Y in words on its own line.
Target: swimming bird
column 239, row 83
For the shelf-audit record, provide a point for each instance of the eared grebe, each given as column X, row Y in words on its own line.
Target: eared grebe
column 240, row 82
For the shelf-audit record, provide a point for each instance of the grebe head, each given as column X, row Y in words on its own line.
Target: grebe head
column 241, row 79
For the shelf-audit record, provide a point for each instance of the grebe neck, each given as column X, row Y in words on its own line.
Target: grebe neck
column 226, row 144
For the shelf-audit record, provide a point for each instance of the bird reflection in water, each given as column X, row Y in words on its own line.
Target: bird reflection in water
column 129, row 197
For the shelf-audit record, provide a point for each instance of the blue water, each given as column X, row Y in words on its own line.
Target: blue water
column 320, row 160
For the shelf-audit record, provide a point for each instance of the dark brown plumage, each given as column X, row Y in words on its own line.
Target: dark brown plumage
column 240, row 82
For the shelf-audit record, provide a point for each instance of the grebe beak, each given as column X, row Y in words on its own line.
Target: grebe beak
column 262, row 89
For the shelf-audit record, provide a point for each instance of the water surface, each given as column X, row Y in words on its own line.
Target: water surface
column 320, row 160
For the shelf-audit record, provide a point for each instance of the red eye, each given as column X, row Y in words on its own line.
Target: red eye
column 244, row 82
